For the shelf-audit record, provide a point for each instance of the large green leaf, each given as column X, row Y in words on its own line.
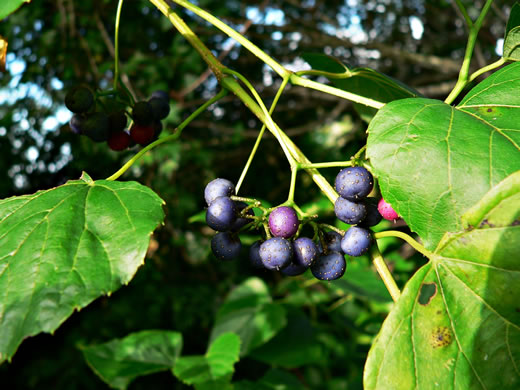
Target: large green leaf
column 511, row 49
column 457, row 323
column 9, row 6
column 433, row 161
column 62, row 248
column 364, row 81
column 249, row 312
column 118, row 362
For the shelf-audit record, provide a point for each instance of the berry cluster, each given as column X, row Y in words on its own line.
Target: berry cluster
column 108, row 123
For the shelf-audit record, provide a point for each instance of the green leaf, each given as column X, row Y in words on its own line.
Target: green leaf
column 273, row 380
column 363, row 81
column 250, row 313
column 215, row 366
column 433, row 161
column 457, row 323
column 119, row 361
column 514, row 18
column 10, row 6
column 511, row 49
column 62, row 248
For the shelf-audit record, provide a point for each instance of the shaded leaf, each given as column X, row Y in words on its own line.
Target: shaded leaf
column 514, row 18
column 119, row 361
column 273, row 380
column 62, row 248
column 10, row 6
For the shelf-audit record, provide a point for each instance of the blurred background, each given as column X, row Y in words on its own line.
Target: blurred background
column 54, row 45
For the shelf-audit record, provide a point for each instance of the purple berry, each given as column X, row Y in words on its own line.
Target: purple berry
column 304, row 251
column 349, row 212
column 218, row 187
column 76, row 123
column 329, row 267
column 354, row 183
column 356, row 241
column 241, row 221
column 373, row 216
column 386, row 210
column 221, row 214
column 225, row 245
column 276, row 253
column 283, row 222
column 294, row 270
column 254, row 255
column 160, row 108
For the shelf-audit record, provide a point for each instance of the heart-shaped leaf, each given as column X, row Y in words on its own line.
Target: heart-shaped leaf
column 62, row 248
column 433, row 161
column 457, row 323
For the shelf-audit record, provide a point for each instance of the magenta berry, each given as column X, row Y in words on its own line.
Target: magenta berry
column 387, row 211
column 283, row 222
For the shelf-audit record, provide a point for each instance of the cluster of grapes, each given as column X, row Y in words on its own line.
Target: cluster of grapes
column 283, row 252
column 102, row 123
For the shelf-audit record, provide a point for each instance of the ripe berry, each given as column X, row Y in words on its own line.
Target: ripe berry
column 119, row 140
column 142, row 113
column 294, row 269
column 356, row 241
column 160, row 94
column 386, row 210
column 79, row 99
column 254, row 255
column 96, row 126
column 349, row 212
column 221, row 214
column 241, row 221
column 304, row 252
column 329, row 267
column 354, row 183
column 226, row 246
column 218, row 187
column 283, row 222
column 76, row 123
column 160, row 108
column 117, row 121
column 141, row 134
column 373, row 216
column 276, row 253
column 333, row 241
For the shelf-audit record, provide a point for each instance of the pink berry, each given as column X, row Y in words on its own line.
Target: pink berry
column 386, row 210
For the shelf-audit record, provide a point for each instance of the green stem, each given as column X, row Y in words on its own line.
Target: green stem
column 384, row 272
column 463, row 79
column 294, row 173
column 334, row 228
column 175, row 135
column 394, row 233
column 260, row 135
column 313, row 72
column 331, row 164
column 487, row 68
column 116, row 43
column 465, row 14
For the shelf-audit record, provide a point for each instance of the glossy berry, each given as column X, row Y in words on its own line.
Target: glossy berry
column 119, row 140
column 79, row 99
column 160, row 108
column 304, row 252
column 329, row 267
column 226, row 246
column 241, row 221
column 356, row 241
column 142, row 113
column 283, row 222
column 373, row 216
column 276, row 253
column 332, row 241
column 218, row 187
column 354, row 183
column 221, row 214
column 76, row 123
column 141, row 135
column 349, row 212
column 386, row 211
column 294, row 269
column 117, row 121
column 96, row 126
column 254, row 255
column 161, row 95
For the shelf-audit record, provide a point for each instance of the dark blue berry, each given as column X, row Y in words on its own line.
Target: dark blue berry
column 161, row 95
column 333, row 241
column 354, row 183
column 117, row 121
column 76, row 123
column 79, row 99
column 373, row 216
column 329, row 267
column 283, row 222
column 221, row 214
column 254, row 255
column 216, row 188
column 304, row 252
column 349, row 212
column 241, row 221
column 294, row 269
column 356, row 241
column 142, row 113
column 276, row 253
column 225, row 245
column 96, row 126
column 160, row 108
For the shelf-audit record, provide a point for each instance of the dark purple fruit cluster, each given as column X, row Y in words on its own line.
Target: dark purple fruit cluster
column 108, row 122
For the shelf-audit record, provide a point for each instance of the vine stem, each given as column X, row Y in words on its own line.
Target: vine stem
column 463, row 79
column 464, row 12
column 487, row 68
column 384, row 272
column 331, row 164
column 116, row 43
column 403, row 236
column 176, row 134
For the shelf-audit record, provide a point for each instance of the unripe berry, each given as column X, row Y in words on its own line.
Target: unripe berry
column 119, row 140
column 386, row 210
column 141, row 134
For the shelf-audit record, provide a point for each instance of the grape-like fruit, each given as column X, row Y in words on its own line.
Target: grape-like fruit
column 241, row 221
column 160, row 108
column 254, row 255
column 283, row 222
column 142, row 113
column 218, row 187
column 356, row 241
column 304, row 251
column 293, row 269
column 76, row 123
column 119, row 140
column 354, row 183
column 333, row 241
column 96, row 126
column 276, row 253
column 117, row 121
column 225, row 245
column 221, row 214
column 349, row 212
column 161, row 95
column 386, row 210
column 141, row 134
column 373, row 216
column 79, row 99
column 329, row 267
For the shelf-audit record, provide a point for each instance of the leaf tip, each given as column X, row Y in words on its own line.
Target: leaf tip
column 86, row 178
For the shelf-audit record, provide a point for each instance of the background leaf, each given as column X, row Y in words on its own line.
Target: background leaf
column 119, row 361
column 10, row 6
column 62, row 248
column 457, row 324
